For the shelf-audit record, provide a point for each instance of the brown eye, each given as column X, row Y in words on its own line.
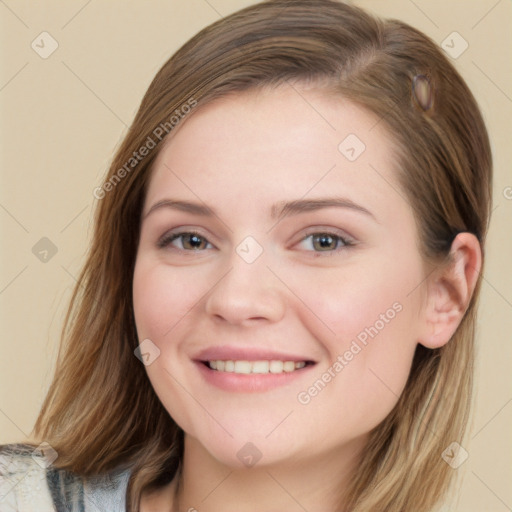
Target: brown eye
column 325, row 242
column 191, row 241
column 185, row 241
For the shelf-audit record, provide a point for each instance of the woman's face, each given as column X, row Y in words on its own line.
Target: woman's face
column 278, row 275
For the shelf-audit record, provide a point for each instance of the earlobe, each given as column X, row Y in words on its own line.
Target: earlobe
column 450, row 289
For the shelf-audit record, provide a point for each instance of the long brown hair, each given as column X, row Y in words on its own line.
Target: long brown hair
column 101, row 411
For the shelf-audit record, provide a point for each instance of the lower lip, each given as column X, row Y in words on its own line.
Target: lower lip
column 249, row 383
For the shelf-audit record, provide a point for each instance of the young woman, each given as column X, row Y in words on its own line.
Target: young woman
column 278, row 308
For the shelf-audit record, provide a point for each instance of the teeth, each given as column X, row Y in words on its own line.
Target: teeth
column 259, row 366
column 276, row 367
column 243, row 367
column 247, row 367
column 288, row 366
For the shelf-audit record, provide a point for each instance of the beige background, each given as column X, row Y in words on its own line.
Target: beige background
column 63, row 116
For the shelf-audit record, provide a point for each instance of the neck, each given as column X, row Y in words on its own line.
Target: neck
column 314, row 483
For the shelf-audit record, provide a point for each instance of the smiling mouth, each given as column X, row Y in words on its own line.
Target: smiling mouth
column 256, row 367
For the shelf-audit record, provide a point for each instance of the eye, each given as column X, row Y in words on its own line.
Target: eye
column 324, row 242
column 188, row 241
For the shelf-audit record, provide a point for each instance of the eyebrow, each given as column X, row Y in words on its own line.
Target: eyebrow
column 278, row 211
column 306, row 205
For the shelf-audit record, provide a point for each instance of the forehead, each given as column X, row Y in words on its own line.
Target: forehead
column 285, row 141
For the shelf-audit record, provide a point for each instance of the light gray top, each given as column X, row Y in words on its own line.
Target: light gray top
column 29, row 483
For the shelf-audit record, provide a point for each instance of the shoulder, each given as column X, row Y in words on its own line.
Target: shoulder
column 29, row 481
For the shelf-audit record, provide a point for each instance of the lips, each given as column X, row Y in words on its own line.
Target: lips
column 228, row 353
column 248, row 369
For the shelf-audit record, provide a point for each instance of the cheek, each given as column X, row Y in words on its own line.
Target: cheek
column 373, row 319
column 161, row 299
column 365, row 299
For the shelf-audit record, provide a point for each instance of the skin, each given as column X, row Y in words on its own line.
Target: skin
column 243, row 156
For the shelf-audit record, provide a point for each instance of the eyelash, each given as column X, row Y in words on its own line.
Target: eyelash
column 170, row 237
column 344, row 242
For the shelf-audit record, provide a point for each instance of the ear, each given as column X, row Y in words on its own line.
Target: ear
column 449, row 291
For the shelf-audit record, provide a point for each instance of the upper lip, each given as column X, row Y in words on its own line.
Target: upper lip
column 228, row 353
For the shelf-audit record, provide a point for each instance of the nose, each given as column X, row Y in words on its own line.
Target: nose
column 247, row 294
